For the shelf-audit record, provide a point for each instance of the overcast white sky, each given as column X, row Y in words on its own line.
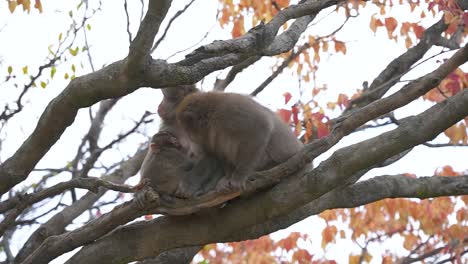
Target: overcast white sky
column 24, row 40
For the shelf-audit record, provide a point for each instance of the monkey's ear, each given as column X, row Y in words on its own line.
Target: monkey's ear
column 153, row 147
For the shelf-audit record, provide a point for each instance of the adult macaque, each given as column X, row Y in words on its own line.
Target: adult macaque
column 169, row 171
column 240, row 132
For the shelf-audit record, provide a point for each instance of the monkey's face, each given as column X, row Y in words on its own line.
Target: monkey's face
column 164, row 140
column 166, row 109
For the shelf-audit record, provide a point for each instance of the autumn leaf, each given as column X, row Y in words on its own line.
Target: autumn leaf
column 295, row 114
column 302, row 256
column 38, row 5
column 408, row 42
column 340, row 47
column 391, row 24
column 457, row 134
column 375, row 23
column 328, row 235
column 287, row 96
column 285, row 115
column 238, row 28
column 12, row 6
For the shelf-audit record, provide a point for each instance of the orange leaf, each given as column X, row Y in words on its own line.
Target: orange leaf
column 238, row 29
column 328, row 235
column 457, row 134
column 282, row 3
column 342, row 101
column 418, row 30
column 411, row 241
column 38, row 5
column 302, row 256
column 340, row 47
column 391, row 24
column 375, row 23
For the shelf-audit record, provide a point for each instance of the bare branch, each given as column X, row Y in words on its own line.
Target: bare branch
column 221, row 84
column 177, row 14
column 128, row 22
column 21, row 202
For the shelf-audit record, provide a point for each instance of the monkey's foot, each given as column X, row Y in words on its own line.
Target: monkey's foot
column 146, row 198
column 227, row 185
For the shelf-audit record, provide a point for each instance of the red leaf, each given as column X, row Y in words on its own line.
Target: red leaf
column 287, row 97
column 391, row 24
column 285, row 115
column 295, row 112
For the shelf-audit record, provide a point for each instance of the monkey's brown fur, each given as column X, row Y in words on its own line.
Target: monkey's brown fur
column 240, row 132
column 170, row 171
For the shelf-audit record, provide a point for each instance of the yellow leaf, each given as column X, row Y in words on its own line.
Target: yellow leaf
column 43, row 85
column 408, row 42
column 367, row 257
column 12, row 6
column 10, row 69
column 66, row 76
column 73, row 52
column 25, row 69
column 60, row 36
column 352, row 259
column 26, row 5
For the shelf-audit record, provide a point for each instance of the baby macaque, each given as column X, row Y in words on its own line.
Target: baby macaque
column 169, row 171
column 244, row 135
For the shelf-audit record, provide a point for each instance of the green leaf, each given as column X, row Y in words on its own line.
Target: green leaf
column 88, row 27
column 66, row 76
column 72, row 77
column 43, row 85
column 10, row 69
column 73, row 68
column 25, row 69
column 60, row 36
column 70, row 13
column 73, row 52
column 52, row 72
column 50, row 49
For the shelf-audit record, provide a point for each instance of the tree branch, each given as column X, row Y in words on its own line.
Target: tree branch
column 140, row 48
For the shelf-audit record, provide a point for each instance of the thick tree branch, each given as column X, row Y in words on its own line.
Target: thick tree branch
column 56, row 225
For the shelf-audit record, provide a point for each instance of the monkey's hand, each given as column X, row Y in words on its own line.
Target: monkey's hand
column 146, row 198
column 186, row 190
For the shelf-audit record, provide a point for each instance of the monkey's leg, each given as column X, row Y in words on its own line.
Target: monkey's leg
column 248, row 156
